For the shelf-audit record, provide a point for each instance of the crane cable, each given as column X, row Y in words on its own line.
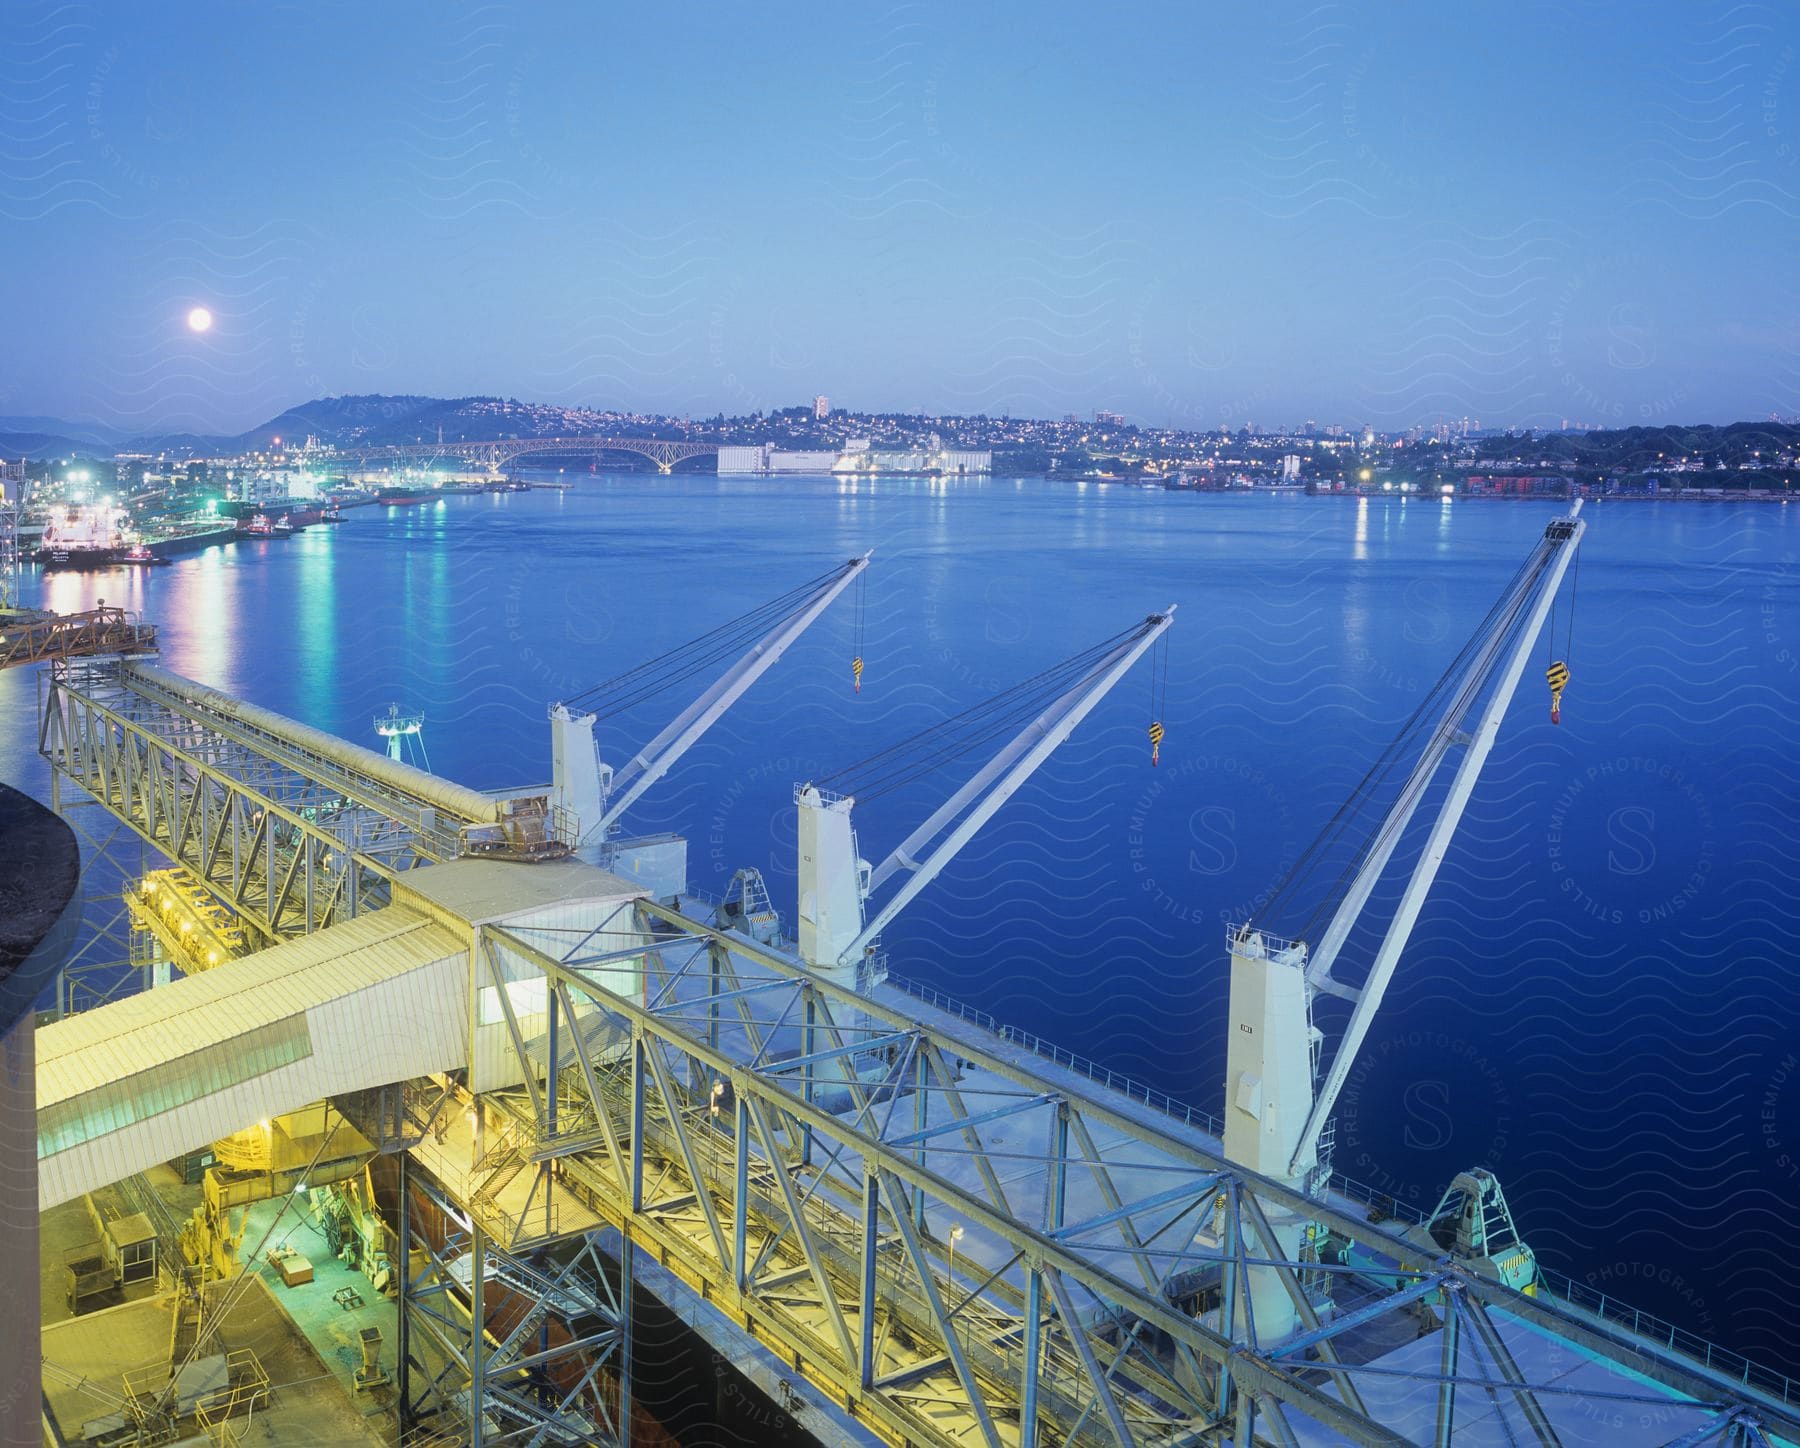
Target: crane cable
column 665, row 671
column 856, row 662
column 1159, row 695
column 1557, row 674
column 1504, row 613
column 1003, row 714
column 930, row 749
column 1504, row 619
column 1463, row 701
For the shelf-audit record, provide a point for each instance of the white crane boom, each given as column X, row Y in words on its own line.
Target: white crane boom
column 599, row 796
column 904, row 856
column 653, row 761
column 1559, row 543
column 1322, row 955
column 834, row 883
column 1276, row 1108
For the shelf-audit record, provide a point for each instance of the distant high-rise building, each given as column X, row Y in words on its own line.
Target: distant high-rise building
column 1308, row 427
column 1108, row 419
column 1290, row 468
column 821, row 406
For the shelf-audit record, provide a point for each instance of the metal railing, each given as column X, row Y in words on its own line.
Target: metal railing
column 1257, row 941
column 1735, row 1366
column 541, row 1221
column 1738, row 1368
column 1386, row 1203
column 871, row 971
column 827, row 797
column 1083, row 1065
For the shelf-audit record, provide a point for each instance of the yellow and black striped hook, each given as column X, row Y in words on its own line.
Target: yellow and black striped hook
column 1558, row 676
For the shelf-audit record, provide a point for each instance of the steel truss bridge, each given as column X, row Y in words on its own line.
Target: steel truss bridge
column 938, row 1235
column 494, row 456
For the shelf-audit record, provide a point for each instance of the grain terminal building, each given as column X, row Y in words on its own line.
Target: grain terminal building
column 856, row 456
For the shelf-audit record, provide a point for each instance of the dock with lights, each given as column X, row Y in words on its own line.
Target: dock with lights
column 903, row 1221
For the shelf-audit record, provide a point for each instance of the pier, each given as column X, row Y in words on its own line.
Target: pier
column 905, row 1224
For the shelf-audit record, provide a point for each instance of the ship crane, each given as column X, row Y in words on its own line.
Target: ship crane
column 836, row 935
column 594, row 794
column 1277, row 1103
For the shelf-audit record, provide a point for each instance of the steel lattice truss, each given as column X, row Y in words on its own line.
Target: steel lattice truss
column 494, row 456
column 73, row 635
column 290, row 843
column 526, row 1337
column 962, row 1250
column 958, row 1242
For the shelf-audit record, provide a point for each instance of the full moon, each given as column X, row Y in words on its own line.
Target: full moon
column 199, row 320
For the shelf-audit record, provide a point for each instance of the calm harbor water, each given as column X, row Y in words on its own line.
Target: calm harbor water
column 1599, row 999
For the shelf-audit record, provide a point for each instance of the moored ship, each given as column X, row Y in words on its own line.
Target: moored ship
column 90, row 535
column 297, row 513
column 399, row 495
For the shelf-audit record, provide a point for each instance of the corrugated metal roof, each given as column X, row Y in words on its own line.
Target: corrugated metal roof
column 141, row 1031
column 482, row 891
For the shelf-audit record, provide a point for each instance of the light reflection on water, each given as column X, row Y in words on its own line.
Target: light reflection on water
column 1089, row 910
column 317, row 637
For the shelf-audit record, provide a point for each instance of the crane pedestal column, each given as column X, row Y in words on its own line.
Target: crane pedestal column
column 834, row 882
column 1268, row 1096
column 576, row 773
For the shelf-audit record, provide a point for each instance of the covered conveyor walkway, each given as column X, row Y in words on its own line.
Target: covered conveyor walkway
column 380, row 998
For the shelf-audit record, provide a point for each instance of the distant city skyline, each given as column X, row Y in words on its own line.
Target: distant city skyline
column 97, row 439
column 817, row 409
column 1195, row 220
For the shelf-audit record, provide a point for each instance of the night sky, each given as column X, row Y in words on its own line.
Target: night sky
column 1392, row 214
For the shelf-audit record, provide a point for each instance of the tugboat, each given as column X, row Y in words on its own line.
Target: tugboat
column 257, row 526
column 140, row 554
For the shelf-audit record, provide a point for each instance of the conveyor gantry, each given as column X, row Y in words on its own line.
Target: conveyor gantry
column 291, row 827
column 28, row 636
column 942, row 1237
column 962, row 1242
